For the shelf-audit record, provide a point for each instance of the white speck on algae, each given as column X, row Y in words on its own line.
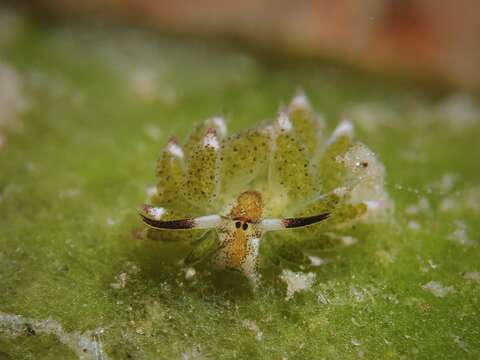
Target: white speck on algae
column 322, row 298
column 414, row 225
column 193, row 354
column 86, row 345
column 446, row 182
column 348, row 240
column 423, row 206
column 363, row 294
column 111, row 222
column 297, row 281
column 121, row 281
column 460, row 235
column 460, row 343
column 123, row 277
column 190, row 273
column 437, row 289
column 252, row 325
column 429, row 266
column 448, row 204
column 356, row 342
column 317, row 261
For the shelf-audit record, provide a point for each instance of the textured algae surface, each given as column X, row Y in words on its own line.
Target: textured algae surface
column 91, row 111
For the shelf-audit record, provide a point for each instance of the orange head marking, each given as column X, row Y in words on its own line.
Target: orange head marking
column 248, row 207
column 237, row 249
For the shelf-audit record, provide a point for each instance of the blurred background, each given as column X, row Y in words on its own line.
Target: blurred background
column 427, row 38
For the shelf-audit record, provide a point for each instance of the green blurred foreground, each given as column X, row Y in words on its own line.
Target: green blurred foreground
column 84, row 114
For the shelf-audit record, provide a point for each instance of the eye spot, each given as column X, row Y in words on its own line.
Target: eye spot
column 245, row 226
column 238, row 224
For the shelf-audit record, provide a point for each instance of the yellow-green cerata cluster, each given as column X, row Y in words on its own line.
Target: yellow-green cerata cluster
column 278, row 186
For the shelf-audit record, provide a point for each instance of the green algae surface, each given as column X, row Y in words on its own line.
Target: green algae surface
column 85, row 113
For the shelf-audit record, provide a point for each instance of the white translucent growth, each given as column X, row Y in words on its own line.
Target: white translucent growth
column 473, row 275
column 366, row 177
column 283, row 122
column 297, row 281
column 363, row 294
column 438, row 289
column 155, row 213
column 317, row 261
column 348, row 240
column 340, row 191
column 429, row 266
column 460, row 235
column 356, row 342
column 345, row 128
column 86, row 345
column 121, row 281
column 189, row 273
column 193, row 354
column 252, row 325
column 151, row 192
column 448, row 204
column 423, row 206
column 447, row 182
column 219, row 123
column 300, row 101
column 469, row 199
column 460, row 343
column 122, row 278
column 210, row 140
column 414, row 225
column 174, row 149
column 110, row 221
column 373, row 205
column 322, row 299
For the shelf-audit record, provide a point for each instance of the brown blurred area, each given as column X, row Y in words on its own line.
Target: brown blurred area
column 434, row 39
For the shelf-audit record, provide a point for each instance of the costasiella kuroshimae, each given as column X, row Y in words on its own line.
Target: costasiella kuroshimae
column 283, row 183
